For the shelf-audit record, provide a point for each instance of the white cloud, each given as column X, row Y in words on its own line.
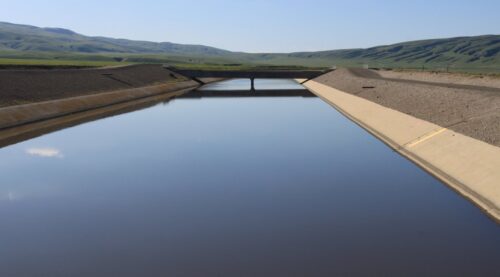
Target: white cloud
column 46, row 152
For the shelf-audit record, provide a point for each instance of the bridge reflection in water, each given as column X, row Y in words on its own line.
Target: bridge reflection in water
column 247, row 93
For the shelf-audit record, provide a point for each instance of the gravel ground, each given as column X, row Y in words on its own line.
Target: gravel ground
column 455, row 78
column 472, row 109
column 27, row 86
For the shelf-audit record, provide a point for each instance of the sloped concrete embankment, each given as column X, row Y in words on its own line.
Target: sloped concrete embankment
column 73, row 91
column 31, row 130
column 29, row 113
column 28, row 86
column 468, row 165
column 468, row 109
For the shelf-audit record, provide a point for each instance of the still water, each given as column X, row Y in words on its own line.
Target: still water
column 268, row 186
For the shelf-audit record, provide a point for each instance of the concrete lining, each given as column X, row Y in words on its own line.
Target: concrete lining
column 23, row 114
column 26, row 86
column 471, row 112
column 31, row 130
column 469, row 166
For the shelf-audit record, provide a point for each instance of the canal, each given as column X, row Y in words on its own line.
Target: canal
column 231, row 186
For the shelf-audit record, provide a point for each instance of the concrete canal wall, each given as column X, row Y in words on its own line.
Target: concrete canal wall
column 73, row 91
column 29, row 113
column 468, row 165
column 472, row 109
column 35, row 85
column 28, row 131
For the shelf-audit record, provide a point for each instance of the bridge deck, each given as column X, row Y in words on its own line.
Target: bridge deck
column 251, row 74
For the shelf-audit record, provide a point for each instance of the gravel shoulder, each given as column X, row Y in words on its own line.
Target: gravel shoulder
column 470, row 108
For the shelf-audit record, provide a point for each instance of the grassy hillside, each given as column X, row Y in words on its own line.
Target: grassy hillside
column 462, row 52
column 17, row 37
column 22, row 44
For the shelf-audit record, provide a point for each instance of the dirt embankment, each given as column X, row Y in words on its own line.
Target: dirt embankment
column 470, row 108
column 35, row 85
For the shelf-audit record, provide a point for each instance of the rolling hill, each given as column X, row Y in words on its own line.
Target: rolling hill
column 15, row 37
column 478, row 53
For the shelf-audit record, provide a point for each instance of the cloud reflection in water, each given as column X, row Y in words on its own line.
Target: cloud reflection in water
column 45, row 152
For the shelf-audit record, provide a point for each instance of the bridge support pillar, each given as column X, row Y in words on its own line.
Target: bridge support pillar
column 252, row 84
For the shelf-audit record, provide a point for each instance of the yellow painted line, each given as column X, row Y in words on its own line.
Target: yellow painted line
column 425, row 137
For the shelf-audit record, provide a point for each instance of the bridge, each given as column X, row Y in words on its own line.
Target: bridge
column 249, row 74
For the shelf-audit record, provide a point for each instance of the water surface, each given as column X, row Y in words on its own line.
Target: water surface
column 244, row 84
column 271, row 186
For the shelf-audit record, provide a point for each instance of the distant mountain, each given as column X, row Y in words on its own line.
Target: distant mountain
column 23, row 41
column 31, row 38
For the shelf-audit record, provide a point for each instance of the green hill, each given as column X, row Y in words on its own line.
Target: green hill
column 15, row 37
column 479, row 51
column 53, row 45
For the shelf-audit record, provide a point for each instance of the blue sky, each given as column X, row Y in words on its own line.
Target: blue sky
column 263, row 25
